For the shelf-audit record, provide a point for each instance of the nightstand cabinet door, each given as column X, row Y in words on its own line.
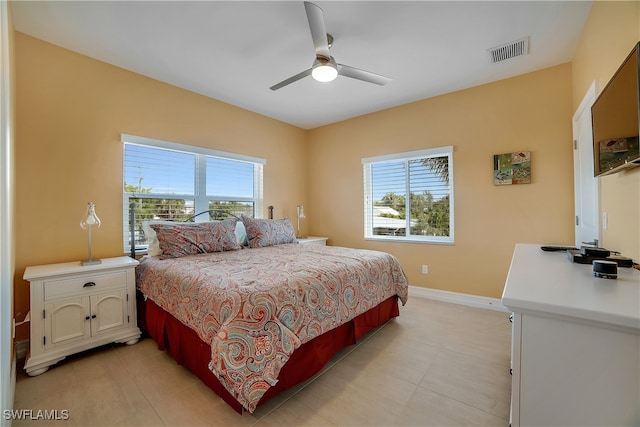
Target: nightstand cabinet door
column 65, row 323
column 108, row 312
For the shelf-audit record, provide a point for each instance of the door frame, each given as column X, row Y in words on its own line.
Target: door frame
column 579, row 207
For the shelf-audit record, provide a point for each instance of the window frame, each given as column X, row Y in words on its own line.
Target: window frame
column 200, row 198
column 406, row 157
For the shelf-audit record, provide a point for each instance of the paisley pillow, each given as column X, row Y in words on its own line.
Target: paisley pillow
column 268, row 232
column 181, row 239
column 153, row 246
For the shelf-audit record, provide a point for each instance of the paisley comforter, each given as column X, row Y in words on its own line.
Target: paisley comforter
column 256, row 306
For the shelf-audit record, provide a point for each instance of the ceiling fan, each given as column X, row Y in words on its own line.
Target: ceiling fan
column 325, row 68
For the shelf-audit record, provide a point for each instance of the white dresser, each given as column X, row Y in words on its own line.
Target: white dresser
column 576, row 342
column 75, row 308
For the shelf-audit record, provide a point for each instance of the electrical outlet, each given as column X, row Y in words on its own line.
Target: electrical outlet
column 425, row 269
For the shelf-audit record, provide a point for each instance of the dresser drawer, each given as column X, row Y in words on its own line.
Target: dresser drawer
column 54, row 288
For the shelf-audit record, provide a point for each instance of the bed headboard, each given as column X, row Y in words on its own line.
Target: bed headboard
column 216, row 214
column 132, row 230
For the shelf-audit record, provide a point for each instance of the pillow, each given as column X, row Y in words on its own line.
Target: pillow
column 181, row 239
column 268, row 232
column 152, row 238
column 241, row 234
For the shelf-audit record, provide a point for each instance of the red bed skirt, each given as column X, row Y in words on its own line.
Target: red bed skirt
column 186, row 347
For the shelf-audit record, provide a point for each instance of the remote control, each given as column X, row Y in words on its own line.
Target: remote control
column 553, row 248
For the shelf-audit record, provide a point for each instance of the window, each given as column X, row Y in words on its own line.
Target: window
column 409, row 196
column 169, row 181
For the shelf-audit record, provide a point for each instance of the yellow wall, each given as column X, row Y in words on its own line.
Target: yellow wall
column 611, row 31
column 531, row 112
column 71, row 110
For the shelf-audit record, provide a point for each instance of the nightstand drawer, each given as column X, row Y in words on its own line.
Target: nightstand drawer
column 55, row 288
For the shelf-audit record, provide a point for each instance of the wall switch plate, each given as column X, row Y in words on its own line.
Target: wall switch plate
column 425, row 269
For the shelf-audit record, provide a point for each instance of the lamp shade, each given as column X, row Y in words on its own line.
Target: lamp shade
column 90, row 219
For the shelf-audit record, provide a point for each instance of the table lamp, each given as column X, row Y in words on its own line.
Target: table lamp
column 89, row 221
column 300, row 212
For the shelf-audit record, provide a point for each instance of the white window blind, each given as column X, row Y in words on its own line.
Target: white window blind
column 409, row 196
column 170, row 181
column 155, row 170
column 218, row 172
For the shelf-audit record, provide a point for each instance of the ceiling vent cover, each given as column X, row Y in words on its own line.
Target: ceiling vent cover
column 509, row 50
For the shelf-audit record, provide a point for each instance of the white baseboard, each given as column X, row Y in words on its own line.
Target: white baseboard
column 22, row 348
column 458, row 298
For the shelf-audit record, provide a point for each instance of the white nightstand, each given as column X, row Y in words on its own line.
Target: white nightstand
column 313, row 240
column 75, row 308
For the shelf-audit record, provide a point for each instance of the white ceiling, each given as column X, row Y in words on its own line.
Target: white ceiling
column 234, row 51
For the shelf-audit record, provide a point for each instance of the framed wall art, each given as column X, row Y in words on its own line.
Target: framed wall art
column 512, row 168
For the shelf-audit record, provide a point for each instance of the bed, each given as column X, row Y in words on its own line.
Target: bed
column 254, row 316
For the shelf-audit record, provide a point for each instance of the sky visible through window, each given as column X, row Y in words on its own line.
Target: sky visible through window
column 229, row 177
column 390, row 177
column 160, row 171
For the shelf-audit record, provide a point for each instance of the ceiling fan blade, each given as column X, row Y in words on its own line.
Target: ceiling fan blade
column 367, row 76
column 291, row 79
column 318, row 31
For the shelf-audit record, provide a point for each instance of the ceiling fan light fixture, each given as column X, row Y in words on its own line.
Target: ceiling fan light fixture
column 324, row 67
column 324, row 71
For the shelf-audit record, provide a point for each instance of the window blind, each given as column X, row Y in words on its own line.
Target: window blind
column 155, row 170
column 409, row 196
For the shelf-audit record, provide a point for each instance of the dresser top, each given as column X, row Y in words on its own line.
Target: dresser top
column 75, row 267
column 548, row 282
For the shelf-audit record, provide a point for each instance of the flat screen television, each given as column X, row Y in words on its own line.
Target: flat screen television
column 615, row 119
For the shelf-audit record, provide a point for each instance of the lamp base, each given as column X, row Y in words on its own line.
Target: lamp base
column 91, row 262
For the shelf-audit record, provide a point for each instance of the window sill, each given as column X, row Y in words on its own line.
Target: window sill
column 409, row 240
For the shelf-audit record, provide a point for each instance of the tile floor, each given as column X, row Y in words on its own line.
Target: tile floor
column 438, row 364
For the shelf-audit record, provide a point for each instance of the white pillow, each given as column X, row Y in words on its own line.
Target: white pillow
column 241, row 234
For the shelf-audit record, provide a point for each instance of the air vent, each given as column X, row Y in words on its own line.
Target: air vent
column 509, row 50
